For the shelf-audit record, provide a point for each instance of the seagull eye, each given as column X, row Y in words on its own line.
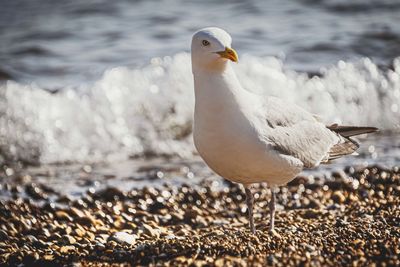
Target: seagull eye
column 205, row 42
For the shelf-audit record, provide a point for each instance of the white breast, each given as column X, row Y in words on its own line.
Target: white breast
column 226, row 136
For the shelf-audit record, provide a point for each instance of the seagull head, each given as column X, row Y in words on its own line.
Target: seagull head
column 211, row 49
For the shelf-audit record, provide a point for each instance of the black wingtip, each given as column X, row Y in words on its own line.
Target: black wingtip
column 348, row 131
column 370, row 129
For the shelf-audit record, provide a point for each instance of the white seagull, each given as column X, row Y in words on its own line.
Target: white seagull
column 248, row 138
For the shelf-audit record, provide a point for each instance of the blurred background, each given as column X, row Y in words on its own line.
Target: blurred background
column 89, row 81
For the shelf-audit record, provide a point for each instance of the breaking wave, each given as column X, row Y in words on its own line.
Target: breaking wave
column 148, row 110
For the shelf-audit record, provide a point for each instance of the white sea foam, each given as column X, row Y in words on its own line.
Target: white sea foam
column 129, row 112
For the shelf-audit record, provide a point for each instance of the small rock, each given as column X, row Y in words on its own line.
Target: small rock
column 338, row 197
column 48, row 257
column 315, row 204
column 220, row 262
column 192, row 213
column 271, row 260
column 91, row 236
column 171, row 237
column 31, row 238
column 123, row 238
column 339, row 175
column 100, row 246
column 102, row 238
column 341, row 223
column 67, row 239
column 67, row 249
column 148, row 230
column 177, row 217
column 79, row 232
column 311, row 214
column 333, row 207
column 110, row 194
column 76, row 212
column 182, row 232
column 35, row 192
column 3, row 235
column 275, row 234
column 62, row 215
column 359, row 243
column 112, row 244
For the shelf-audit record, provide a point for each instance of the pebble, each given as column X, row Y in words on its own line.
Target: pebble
column 123, row 237
column 338, row 197
column 67, row 249
column 67, row 239
column 31, row 238
column 62, row 215
column 3, row 235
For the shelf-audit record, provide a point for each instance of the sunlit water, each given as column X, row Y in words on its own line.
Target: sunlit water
column 108, row 80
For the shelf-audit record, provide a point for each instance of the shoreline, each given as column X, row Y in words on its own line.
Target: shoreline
column 352, row 218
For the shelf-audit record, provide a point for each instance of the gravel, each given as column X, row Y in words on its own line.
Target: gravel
column 351, row 219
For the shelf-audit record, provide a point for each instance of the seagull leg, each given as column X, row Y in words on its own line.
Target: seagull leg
column 272, row 209
column 250, row 202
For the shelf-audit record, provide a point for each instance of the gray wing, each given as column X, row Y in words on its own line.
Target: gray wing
column 279, row 113
column 310, row 142
column 295, row 132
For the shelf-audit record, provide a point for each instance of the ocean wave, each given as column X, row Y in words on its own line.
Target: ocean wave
column 149, row 110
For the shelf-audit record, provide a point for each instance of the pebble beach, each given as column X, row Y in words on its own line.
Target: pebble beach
column 97, row 161
column 350, row 219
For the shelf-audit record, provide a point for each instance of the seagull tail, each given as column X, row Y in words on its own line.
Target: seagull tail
column 347, row 146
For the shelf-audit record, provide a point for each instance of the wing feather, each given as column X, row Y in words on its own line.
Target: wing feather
column 295, row 132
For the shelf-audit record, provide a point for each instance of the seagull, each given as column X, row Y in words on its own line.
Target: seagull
column 248, row 138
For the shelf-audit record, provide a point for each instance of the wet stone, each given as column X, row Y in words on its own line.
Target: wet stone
column 110, row 194
column 35, row 192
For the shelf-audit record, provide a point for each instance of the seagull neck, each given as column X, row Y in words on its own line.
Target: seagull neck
column 210, row 68
column 218, row 87
column 216, row 80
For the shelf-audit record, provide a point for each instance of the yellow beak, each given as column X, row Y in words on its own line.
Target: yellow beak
column 229, row 53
